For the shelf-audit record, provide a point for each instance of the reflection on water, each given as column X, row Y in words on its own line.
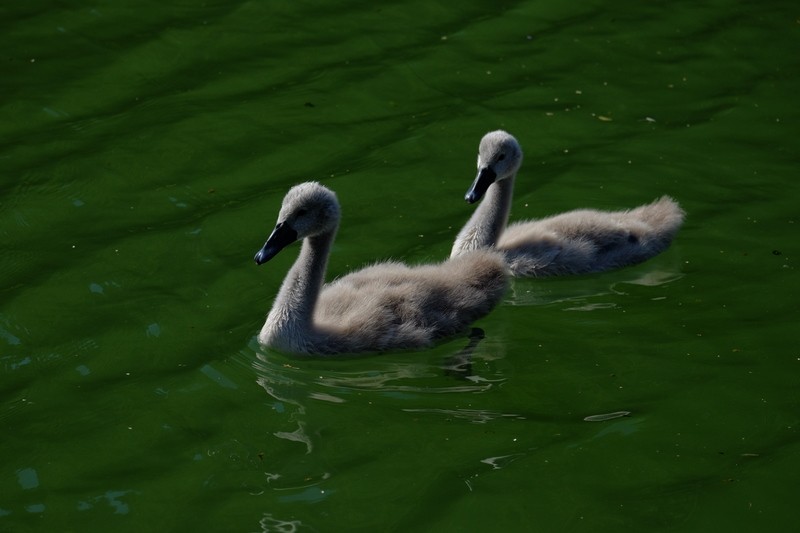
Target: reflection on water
column 283, row 384
column 606, row 416
column 501, row 461
column 653, row 279
column 295, row 386
column 476, row 416
column 298, row 435
column 269, row 523
column 582, row 292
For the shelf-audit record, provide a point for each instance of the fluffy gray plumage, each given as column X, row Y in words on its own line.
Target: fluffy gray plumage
column 575, row 242
column 386, row 306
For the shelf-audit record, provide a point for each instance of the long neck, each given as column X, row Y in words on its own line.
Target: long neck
column 290, row 321
column 487, row 223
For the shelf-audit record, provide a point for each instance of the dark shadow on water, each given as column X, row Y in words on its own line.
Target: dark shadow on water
column 459, row 365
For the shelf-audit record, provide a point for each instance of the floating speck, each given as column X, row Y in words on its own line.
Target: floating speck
column 177, row 202
column 153, row 330
column 27, row 478
column 96, row 288
column 13, row 340
column 25, row 361
column 112, row 497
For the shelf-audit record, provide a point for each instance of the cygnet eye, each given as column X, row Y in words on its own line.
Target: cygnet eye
column 501, row 157
column 302, row 212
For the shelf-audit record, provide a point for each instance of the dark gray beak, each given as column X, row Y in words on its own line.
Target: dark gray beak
column 282, row 236
column 485, row 177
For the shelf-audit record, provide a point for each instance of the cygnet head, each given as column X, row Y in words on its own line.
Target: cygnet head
column 308, row 209
column 499, row 158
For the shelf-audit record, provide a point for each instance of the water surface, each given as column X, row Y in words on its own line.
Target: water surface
column 145, row 151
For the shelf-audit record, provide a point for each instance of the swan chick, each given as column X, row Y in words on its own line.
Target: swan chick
column 386, row 306
column 575, row 242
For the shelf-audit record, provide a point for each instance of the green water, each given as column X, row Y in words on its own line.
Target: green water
column 144, row 152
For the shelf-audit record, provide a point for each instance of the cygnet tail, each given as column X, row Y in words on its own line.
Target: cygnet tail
column 663, row 218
